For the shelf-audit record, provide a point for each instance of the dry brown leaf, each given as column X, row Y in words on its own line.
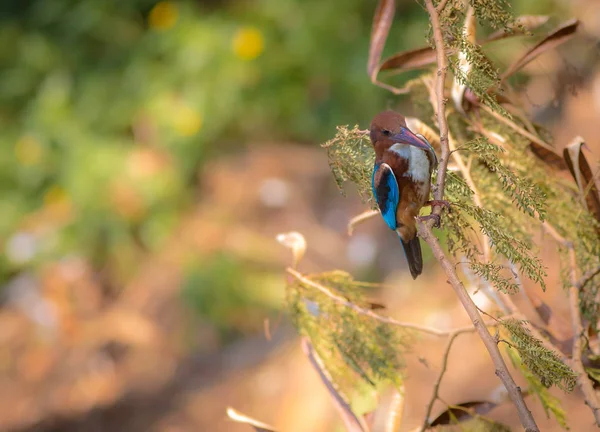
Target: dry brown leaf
column 586, row 181
column 408, row 60
column 351, row 421
column 382, row 21
column 555, row 38
column 424, row 56
column 548, row 155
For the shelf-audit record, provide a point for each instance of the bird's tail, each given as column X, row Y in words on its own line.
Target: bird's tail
column 412, row 250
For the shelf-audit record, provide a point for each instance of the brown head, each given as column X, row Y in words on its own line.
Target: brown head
column 389, row 128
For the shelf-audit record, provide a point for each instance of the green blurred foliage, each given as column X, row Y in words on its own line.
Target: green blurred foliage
column 109, row 109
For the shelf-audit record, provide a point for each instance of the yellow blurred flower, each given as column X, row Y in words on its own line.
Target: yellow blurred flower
column 248, row 43
column 28, row 151
column 186, row 121
column 163, row 15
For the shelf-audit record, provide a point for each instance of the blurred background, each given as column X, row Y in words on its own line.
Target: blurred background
column 152, row 151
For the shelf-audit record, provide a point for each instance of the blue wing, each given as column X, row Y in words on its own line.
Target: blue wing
column 386, row 192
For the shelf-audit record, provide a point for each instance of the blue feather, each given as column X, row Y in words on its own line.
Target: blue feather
column 386, row 192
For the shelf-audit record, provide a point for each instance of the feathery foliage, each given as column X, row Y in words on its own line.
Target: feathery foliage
column 542, row 362
column 527, row 196
column 493, row 274
column 515, row 250
column 344, row 339
column 495, row 13
column 351, row 158
column 550, row 403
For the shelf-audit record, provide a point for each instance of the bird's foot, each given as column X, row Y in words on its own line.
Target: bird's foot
column 439, row 203
column 435, row 217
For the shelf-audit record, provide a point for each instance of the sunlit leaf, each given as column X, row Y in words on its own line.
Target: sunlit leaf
column 258, row 426
column 464, row 65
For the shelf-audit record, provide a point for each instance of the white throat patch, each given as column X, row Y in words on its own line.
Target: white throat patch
column 418, row 162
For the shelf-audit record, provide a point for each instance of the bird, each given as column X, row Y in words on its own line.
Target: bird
column 401, row 180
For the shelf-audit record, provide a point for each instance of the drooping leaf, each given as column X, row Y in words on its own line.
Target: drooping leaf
column 424, row 56
column 408, row 60
column 583, row 175
column 555, row 38
column 382, row 21
column 548, row 155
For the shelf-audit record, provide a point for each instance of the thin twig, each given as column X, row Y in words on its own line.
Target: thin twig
column 438, row 382
column 362, row 311
column 425, row 231
column 441, row 104
column 589, row 275
column 356, row 220
column 351, row 421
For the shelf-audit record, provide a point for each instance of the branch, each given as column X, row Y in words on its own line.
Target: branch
column 425, row 231
column 367, row 312
column 441, row 105
column 436, row 387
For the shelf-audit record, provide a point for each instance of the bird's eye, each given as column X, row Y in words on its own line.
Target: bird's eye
column 386, row 132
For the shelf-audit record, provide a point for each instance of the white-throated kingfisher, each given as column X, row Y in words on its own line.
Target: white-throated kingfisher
column 401, row 180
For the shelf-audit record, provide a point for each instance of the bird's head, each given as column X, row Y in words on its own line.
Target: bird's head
column 389, row 128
